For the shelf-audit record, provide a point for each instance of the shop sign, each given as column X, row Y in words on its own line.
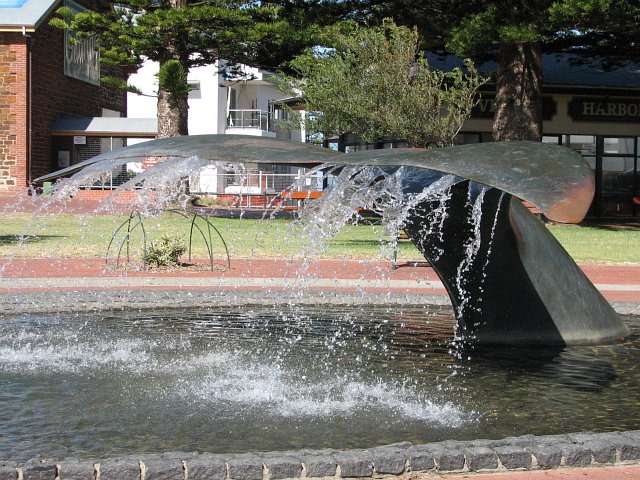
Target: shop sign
column 485, row 108
column 81, row 61
column 605, row 110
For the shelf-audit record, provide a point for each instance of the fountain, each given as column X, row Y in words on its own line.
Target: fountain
column 510, row 282
column 231, row 373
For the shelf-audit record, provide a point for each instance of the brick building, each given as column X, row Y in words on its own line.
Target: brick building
column 44, row 81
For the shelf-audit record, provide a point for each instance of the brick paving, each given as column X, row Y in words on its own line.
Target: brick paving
column 605, row 473
column 618, row 283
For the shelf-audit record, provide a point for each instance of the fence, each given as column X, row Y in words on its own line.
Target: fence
column 250, row 189
column 256, row 189
column 258, row 119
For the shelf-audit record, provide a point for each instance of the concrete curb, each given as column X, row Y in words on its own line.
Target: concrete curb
column 526, row 453
column 105, row 300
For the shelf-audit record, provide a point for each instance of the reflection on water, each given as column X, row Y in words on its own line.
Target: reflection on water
column 261, row 378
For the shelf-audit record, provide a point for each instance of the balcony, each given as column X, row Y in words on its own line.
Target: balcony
column 250, row 122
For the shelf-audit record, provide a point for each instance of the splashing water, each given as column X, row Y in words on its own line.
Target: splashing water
column 294, row 373
column 472, row 246
column 163, row 185
column 381, row 191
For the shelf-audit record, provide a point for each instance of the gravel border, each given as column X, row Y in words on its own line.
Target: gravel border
column 523, row 453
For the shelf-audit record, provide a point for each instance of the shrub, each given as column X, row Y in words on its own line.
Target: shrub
column 165, row 251
column 213, row 201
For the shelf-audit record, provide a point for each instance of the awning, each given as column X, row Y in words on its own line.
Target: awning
column 24, row 15
column 105, row 127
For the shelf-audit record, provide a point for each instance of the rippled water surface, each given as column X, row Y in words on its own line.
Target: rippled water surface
column 260, row 378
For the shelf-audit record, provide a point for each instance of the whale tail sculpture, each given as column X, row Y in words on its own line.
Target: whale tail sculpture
column 520, row 287
column 509, row 280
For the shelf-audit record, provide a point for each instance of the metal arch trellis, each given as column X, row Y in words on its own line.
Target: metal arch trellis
column 135, row 220
column 209, row 242
column 125, row 241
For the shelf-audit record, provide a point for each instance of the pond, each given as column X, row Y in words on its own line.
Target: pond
column 276, row 378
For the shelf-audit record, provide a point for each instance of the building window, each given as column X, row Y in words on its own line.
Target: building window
column 619, row 175
column 194, row 89
column 615, row 164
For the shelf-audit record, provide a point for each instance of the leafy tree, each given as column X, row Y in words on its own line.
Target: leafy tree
column 516, row 33
column 375, row 84
column 181, row 34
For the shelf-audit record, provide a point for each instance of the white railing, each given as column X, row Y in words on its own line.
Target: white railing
column 256, row 119
column 259, row 189
column 111, row 180
column 263, row 181
column 248, row 189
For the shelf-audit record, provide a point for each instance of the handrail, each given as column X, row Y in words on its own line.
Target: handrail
column 249, row 118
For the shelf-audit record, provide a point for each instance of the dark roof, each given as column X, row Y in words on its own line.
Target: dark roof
column 563, row 70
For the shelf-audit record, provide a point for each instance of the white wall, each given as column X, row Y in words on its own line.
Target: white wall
column 143, row 106
column 204, row 104
column 207, row 108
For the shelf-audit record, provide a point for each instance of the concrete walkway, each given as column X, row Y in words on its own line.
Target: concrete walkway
column 618, row 283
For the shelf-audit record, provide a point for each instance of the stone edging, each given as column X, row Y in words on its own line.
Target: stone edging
column 451, row 457
column 103, row 300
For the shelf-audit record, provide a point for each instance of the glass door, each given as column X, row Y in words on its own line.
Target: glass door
column 615, row 164
column 618, row 162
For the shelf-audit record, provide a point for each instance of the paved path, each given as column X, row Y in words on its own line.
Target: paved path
column 604, row 473
column 619, row 283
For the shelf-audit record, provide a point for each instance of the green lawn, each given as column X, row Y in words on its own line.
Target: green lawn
column 22, row 235
column 594, row 244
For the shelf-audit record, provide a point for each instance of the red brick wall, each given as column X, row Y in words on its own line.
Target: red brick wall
column 124, row 196
column 56, row 95
column 13, row 113
column 53, row 95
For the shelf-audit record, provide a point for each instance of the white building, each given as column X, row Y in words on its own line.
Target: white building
column 219, row 105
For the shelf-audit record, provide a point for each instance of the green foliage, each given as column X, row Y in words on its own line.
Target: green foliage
column 59, row 22
column 120, row 84
column 489, row 25
column 165, row 251
column 374, row 83
column 172, row 77
column 478, row 28
column 261, row 34
column 579, row 11
column 208, row 201
column 609, row 29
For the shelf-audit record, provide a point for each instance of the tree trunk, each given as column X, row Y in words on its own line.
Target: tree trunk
column 519, row 94
column 173, row 107
column 173, row 114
